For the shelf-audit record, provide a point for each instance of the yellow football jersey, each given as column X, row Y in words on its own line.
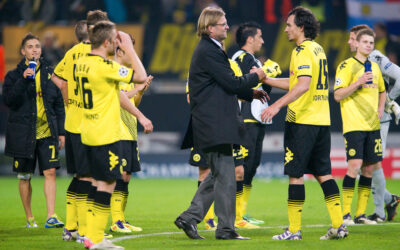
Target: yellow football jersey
column 128, row 121
column 73, row 112
column 42, row 125
column 59, row 69
column 99, row 80
column 309, row 59
column 359, row 110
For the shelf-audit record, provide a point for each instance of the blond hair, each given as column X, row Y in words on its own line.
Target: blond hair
column 208, row 17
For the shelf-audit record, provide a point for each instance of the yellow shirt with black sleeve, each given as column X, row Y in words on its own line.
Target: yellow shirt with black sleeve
column 99, row 81
column 312, row 108
column 73, row 115
column 360, row 109
column 42, row 124
column 128, row 121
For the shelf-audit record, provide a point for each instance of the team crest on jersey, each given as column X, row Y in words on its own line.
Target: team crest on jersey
column 123, row 71
column 338, row 82
column 352, row 152
column 124, row 162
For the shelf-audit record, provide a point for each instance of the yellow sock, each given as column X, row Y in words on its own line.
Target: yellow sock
column 81, row 203
column 239, row 199
column 246, row 197
column 90, row 212
column 295, row 206
column 71, row 220
column 101, row 209
column 347, row 193
column 210, row 213
column 117, row 211
column 364, row 189
column 332, row 200
column 125, row 201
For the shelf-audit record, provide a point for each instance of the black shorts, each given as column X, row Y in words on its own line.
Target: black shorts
column 307, row 150
column 105, row 161
column 77, row 160
column 130, row 156
column 365, row 145
column 197, row 157
column 46, row 153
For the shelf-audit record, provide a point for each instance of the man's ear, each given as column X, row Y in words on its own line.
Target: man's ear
column 23, row 52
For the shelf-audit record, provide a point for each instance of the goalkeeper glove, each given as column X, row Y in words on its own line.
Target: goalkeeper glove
column 271, row 68
column 392, row 107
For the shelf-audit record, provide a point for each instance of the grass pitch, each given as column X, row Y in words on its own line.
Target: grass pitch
column 155, row 203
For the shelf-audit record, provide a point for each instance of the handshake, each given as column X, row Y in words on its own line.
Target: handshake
column 271, row 68
column 391, row 107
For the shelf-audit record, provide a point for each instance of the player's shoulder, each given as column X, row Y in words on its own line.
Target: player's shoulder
column 345, row 64
column 376, row 56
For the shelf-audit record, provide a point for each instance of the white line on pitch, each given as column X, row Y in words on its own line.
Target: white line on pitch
column 271, row 227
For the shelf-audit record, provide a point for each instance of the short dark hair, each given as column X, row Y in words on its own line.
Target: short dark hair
column 246, row 30
column 28, row 37
column 95, row 16
column 303, row 17
column 81, row 30
column 100, row 32
column 357, row 28
column 362, row 32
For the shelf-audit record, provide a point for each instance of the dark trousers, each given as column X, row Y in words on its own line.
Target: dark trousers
column 219, row 186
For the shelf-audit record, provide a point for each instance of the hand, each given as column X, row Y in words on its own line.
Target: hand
column 271, row 68
column 28, row 72
column 396, row 112
column 147, row 125
column 366, row 77
column 124, row 41
column 145, row 85
column 260, row 95
column 61, row 142
column 269, row 113
column 259, row 71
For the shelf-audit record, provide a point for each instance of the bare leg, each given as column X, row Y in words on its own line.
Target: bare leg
column 25, row 191
column 50, row 188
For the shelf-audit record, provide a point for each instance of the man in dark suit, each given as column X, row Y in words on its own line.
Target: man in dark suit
column 216, row 124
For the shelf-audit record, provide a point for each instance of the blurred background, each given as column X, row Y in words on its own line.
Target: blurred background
column 165, row 34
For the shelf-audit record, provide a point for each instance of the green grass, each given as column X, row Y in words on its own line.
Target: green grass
column 155, row 203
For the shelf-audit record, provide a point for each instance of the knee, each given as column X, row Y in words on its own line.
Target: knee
column 24, row 177
column 50, row 173
column 239, row 173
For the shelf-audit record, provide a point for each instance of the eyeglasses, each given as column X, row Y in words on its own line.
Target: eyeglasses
column 221, row 24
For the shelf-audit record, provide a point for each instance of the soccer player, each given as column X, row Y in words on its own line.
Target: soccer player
column 98, row 79
column 35, row 127
column 390, row 71
column 77, row 161
column 130, row 151
column 307, row 128
column 249, row 39
column 362, row 98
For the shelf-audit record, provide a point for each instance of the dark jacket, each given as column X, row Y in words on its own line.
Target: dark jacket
column 19, row 95
column 213, row 90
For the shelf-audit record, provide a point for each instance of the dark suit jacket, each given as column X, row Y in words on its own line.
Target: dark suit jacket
column 213, row 90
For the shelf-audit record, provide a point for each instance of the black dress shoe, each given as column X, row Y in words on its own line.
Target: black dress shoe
column 189, row 229
column 231, row 236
